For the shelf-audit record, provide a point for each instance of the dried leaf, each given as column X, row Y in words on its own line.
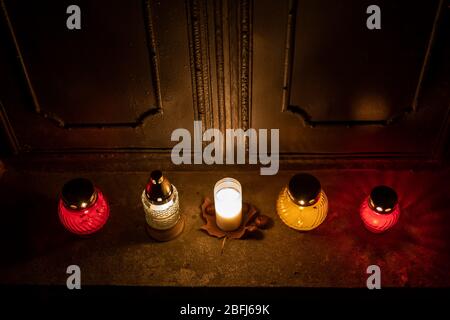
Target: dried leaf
column 249, row 212
column 211, row 226
column 210, row 210
column 262, row 221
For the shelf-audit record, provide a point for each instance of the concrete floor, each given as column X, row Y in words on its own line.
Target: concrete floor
column 37, row 250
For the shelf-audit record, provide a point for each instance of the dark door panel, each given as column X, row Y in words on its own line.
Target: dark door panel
column 334, row 87
column 120, row 82
column 343, row 71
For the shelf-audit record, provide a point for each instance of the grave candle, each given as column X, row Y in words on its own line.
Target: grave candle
column 380, row 211
column 228, row 204
column 82, row 208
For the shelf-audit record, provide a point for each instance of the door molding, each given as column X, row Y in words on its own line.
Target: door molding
column 220, row 40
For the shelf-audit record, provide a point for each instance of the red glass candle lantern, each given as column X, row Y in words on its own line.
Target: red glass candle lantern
column 83, row 208
column 380, row 211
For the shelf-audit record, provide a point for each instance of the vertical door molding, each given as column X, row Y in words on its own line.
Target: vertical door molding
column 197, row 18
column 220, row 40
column 245, row 62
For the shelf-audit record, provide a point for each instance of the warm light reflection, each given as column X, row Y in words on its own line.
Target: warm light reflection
column 421, row 232
column 370, row 107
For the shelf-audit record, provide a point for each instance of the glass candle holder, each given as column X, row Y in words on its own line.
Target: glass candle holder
column 302, row 204
column 380, row 210
column 82, row 207
column 228, row 204
column 160, row 202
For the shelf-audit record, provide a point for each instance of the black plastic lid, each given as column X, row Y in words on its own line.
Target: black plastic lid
column 158, row 189
column 304, row 189
column 78, row 194
column 383, row 199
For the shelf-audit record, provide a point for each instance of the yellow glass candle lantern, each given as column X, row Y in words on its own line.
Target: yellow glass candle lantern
column 302, row 204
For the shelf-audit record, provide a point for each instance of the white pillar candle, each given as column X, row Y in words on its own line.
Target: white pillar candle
column 228, row 204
